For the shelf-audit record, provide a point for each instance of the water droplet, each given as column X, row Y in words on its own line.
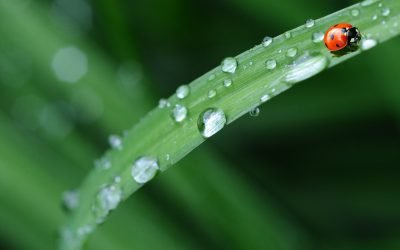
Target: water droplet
column 179, row 113
column 368, row 2
column 117, row 179
column 228, row 82
column 102, row 164
column 306, row 67
column 292, row 52
column 144, row 169
column 115, row 142
column 211, row 121
column 167, row 157
column 380, row 5
column 309, row 23
column 267, row 41
column 270, row 64
column 318, row 37
column 107, row 199
column 163, row 103
column 355, row 12
column 254, row 112
column 70, row 64
column 374, row 17
column 367, row 44
column 229, row 65
column 288, row 34
column 385, row 11
column 182, row 91
column 211, row 77
column 84, row 230
column 212, row 93
column 70, row 199
column 265, row 98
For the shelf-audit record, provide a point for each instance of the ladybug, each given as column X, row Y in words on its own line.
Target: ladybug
column 342, row 37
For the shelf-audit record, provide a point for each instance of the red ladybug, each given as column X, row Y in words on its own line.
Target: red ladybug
column 342, row 36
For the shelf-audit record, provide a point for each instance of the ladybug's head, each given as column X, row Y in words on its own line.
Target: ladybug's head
column 353, row 36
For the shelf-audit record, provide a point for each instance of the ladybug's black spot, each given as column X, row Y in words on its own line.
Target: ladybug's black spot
column 337, row 45
column 332, row 36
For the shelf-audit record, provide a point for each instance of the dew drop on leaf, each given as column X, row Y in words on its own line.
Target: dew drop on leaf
column 211, row 121
column 144, row 169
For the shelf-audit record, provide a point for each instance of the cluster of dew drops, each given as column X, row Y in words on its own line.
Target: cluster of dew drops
column 209, row 122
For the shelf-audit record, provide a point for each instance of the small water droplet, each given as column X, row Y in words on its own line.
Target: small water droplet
column 182, row 91
column 70, row 199
column 211, row 121
column 117, row 179
column 107, row 199
column 367, row 44
column 374, row 17
column 385, row 11
column 368, row 2
column 84, row 230
column 167, row 157
column 267, row 41
column 229, row 65
column 306, row 67
column 288, row 34
column 228, row 83
column 163, row 103
column 115, row 142
column 265, row 98
column 211, row 77
column 254, row 112
column 355, row 12
column 309, row 23
column 270, row 64
column 102, row 164
column 380, row 5
column 179, row 113
column 144, row 169
column 212, row 93
column 317, row 37
column 292, row 52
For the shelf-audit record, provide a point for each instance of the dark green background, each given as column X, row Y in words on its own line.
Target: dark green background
column 318, row 169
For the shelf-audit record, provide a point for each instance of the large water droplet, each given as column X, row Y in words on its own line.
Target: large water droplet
column 270, row 64
column 385, row 11
column 229, row 65
column 254, row 112
column 227, row 83
column 212, row 93
column 70, row 199
column 306, row 67
column 115, row 142
column 106, row 200
column 182, row 91
column 267, row 41
column 355, row 12
column 309, row 23
column 211, row 121
column 292, row 52
column 179, row 113
column 367, row 44
column 144, row 169
column 317, row 37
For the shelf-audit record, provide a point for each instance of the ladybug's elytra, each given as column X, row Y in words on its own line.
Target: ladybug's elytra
column 342, row 36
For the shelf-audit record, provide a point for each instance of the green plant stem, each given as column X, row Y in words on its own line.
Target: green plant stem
column 158, row 135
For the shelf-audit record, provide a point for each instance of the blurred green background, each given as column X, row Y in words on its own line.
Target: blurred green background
column 317, row 169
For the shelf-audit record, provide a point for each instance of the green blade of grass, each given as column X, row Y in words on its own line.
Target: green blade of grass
column 159, row 136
